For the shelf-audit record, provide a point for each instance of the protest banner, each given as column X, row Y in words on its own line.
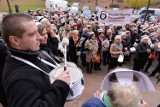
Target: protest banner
column 115, row 17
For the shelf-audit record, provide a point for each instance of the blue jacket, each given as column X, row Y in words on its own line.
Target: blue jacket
column 93, row 102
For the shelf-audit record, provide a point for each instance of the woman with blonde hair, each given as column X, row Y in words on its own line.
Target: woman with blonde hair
column 46, row 52
column 120, row 89
column 43, row 32
column 116, row 50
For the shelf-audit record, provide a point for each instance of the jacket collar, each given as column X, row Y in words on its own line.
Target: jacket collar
column 26, row 54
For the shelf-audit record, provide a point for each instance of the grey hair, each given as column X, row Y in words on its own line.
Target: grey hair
column 44, row 20
column 75, row 31
column 144, row 37
column 125, row 96
column 118, row 37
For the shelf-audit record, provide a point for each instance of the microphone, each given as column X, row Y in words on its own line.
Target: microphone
column 65, row 43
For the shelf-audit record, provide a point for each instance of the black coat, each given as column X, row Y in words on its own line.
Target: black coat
column 26, row 86
column 52, row 43
column 3, row 54
column 135, row 36
column 73, row 51
column 141, row 52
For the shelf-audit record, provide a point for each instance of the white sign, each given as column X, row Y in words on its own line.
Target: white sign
column 115, row 17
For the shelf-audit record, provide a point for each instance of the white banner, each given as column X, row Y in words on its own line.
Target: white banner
column 115, row 17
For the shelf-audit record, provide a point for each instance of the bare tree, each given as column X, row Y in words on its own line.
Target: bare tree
column 9, row 6
column 112, row 2
column 96, row 2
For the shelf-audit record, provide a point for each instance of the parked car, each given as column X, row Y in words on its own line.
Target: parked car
column 142, row 11
column 54, row 5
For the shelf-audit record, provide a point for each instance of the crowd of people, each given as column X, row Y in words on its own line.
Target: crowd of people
column 95, row 43
column 27, row 41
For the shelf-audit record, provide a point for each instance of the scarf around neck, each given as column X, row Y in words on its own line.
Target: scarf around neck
column 106, row 100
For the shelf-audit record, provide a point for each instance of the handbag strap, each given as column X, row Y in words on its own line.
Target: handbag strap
column 33, row 65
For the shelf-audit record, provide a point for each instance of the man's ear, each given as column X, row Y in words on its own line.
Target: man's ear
column 14, row 41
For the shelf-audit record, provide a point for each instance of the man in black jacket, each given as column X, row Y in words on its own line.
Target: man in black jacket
column 3, row 54
column 142, row 53
column 24, row 84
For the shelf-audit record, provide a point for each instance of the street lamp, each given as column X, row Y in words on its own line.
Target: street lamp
column 146, row 11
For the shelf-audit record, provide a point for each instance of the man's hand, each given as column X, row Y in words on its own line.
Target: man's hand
column 97, row 94
column 126, row 49
column 64, row 76
column 148, row 50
